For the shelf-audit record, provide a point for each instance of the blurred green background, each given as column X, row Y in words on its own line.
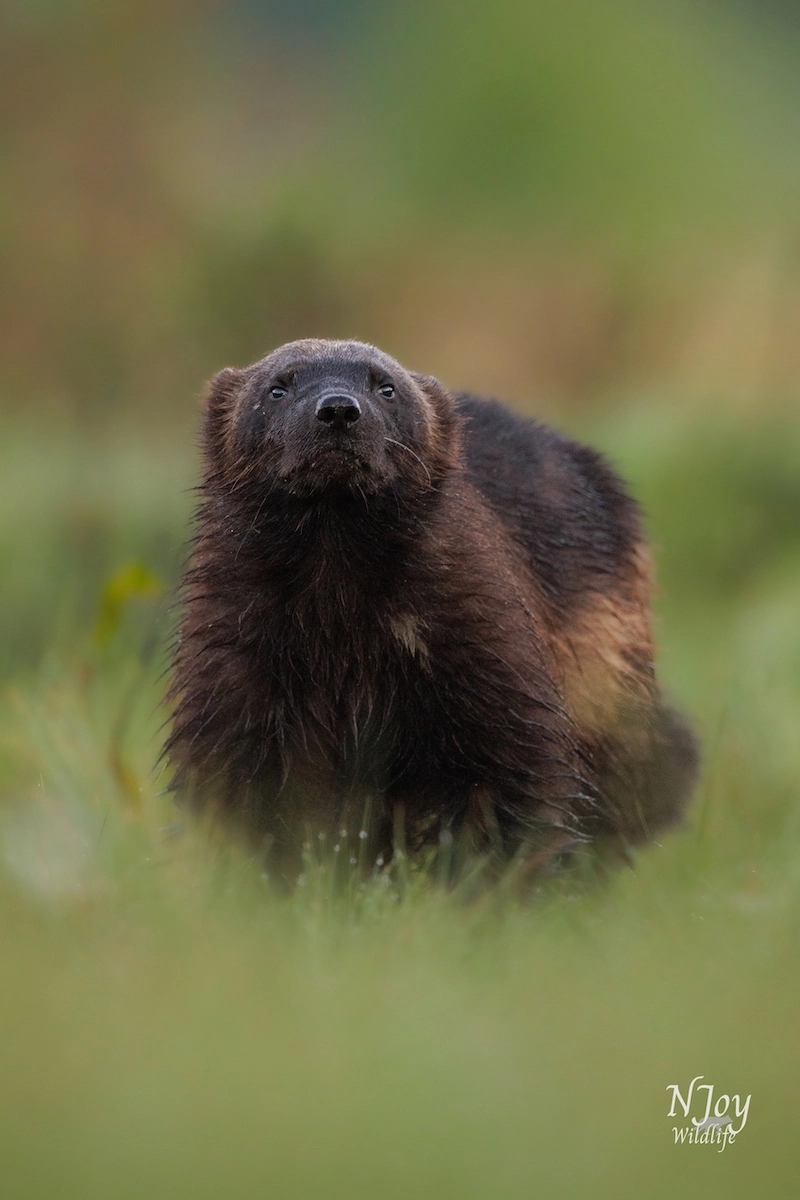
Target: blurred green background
column 590, row 209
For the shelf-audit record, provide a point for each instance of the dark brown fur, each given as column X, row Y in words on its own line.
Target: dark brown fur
column 437, row 611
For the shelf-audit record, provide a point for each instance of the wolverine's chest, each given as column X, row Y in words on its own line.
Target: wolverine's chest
column 345, row 697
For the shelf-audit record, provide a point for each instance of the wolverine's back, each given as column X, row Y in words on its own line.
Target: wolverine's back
column 582, row 536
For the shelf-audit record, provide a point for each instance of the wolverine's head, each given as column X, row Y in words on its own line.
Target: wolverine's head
column 317, row 418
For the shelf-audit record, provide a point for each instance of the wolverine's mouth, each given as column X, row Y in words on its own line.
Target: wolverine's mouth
column 335, row 453
column 331, row 466
column 340, row 459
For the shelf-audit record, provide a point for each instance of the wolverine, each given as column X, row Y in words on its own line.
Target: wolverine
column 418, row 615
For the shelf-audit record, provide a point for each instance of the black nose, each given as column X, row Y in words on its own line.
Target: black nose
column 338, row 412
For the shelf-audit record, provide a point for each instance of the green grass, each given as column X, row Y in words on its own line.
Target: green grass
column 171, row 1028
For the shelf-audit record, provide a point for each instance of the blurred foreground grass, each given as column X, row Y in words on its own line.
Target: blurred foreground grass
column 172, row 1029
column 559, row 202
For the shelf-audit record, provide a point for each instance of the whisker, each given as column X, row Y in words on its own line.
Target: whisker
column 413, row 455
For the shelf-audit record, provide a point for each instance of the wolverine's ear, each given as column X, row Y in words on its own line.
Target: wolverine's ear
column 222, row 389
column 436, row 392
column 440, row 398
column 220, row 398
column 446, row 430
column 428, row 383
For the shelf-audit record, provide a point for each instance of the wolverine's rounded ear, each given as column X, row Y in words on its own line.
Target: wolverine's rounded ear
column 220, row 399
column 428, row 383
column 446, row 426
column 436, row 392
column 221, row 390
column 440, row 398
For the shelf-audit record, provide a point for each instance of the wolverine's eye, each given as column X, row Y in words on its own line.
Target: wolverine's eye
column 386, row 390
column 277, row 392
